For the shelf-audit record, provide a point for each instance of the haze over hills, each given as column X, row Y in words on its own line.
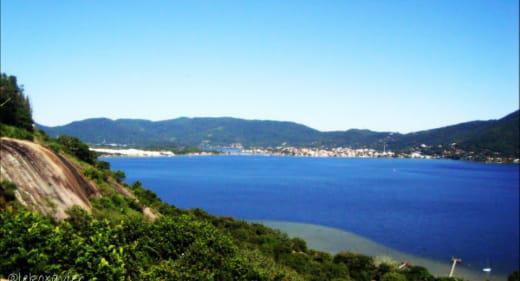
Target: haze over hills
column 501, row 136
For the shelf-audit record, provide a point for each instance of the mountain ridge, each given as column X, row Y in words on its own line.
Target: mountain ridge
column 496, row 135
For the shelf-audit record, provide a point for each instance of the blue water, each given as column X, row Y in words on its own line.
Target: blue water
column 431, row 208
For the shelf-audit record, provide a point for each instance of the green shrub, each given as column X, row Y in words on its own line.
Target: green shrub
column 24, row 243
column 393, row 276
column 7, row 190
column 119, row 176
column 32, row 243
column 116, row 207
column 360, row 266
column 298, row 245
column 15, row 132
column 54, row 147
column 102, row 165
column 77, row 148
column 145, row 196
column 418, row 273
column 94, row 174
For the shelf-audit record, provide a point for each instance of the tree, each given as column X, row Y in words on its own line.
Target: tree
column 15, row 108
column 77, row 148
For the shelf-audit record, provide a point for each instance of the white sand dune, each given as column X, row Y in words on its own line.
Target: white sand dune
column 132, row 152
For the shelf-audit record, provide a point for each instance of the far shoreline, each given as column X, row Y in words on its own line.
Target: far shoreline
column 142, row 153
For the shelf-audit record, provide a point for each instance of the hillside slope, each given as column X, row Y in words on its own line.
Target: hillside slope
column 497, row 135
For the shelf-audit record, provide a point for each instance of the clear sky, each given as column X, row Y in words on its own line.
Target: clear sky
column 332, row 65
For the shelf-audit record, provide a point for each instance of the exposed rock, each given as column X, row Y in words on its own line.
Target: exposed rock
column 46, row 181
column 150, row 214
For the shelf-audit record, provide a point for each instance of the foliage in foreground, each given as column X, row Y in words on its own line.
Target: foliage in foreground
column 171, row 248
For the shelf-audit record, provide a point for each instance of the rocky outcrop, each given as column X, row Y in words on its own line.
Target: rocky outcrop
column 46, row 181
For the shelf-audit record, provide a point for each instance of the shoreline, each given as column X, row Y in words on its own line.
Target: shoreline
column 333, row 240
column 141, row 153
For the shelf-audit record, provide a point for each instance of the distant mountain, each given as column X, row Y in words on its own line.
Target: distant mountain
column 494, row 135
column 189, row 131
column 500, row 136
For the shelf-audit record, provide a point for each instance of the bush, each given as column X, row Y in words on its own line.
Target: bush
column 393, row 276
column 24, row 243
column 116, row 207
column 119, row 176
column 515, row 276
column 360, row 266
column 94, row 174
column 7, row 190
column 15, row 132
column 418, row 273
column 299, row 245
column 145, row 196
column 54, row 147
column 77, row 148
column 103, row 165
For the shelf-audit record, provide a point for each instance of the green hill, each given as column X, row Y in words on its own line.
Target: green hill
column 499, row 136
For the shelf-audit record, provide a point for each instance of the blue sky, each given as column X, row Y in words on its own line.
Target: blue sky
column 332, row 65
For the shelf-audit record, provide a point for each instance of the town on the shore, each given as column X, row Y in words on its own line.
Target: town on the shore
column 423, row 153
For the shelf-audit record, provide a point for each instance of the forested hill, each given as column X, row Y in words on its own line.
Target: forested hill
column 189, row 131
column 494, row 135
column 500, row 136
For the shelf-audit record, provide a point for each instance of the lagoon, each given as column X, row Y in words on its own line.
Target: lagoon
column 433, row 209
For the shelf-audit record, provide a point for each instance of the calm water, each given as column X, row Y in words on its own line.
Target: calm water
column 431, row 208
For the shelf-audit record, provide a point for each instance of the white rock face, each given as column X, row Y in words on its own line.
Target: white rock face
column 45, row 181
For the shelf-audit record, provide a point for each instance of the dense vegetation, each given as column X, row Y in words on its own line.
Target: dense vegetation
column 77, row 148
column 489, row 137
column 15, row 109
column 485, row 137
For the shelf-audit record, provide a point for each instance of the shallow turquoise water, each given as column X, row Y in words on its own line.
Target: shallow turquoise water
column 333, row 240
column 430, row 208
